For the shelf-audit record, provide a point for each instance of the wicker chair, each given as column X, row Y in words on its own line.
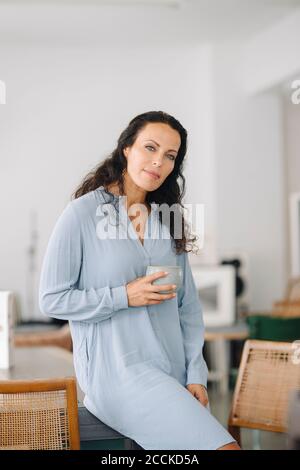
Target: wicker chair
column 39, row 415
column 267, row 375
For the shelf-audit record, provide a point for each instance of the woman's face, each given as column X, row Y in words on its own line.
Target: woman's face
column 153, row 153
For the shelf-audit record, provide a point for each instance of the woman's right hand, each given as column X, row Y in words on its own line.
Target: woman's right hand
column 140, row 291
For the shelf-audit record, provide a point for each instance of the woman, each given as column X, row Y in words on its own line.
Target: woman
column 137, row 352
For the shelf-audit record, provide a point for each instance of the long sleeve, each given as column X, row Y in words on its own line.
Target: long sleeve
column 192, row 327
column 58, row 293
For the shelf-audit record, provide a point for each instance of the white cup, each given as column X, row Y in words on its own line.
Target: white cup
column 174, row 276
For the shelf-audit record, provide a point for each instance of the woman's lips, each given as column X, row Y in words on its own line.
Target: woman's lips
column 153, row 176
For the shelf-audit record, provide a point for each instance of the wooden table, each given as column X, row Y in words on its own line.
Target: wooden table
column 41, row 363
column 233, row 332
column 50, row 362
column 217, row 341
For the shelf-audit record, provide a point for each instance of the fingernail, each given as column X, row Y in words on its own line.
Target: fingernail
column 166, row 272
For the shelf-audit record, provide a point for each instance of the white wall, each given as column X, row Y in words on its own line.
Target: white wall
column 292, row 154
column 271, row 59
column 272, row 56
column 65, row 110
column 292, row 144
column 200, row 168
column 250, row 179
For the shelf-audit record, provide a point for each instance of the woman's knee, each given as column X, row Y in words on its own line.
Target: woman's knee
column 230, row 446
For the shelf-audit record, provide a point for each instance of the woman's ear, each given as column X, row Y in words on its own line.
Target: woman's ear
column 125, row 152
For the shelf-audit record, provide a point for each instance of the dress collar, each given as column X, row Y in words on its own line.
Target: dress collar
column 154, row 205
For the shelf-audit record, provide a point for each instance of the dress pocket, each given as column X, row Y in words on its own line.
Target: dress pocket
column 89, row 347
column 138, row 358
column 87, row 360
column 80, row 358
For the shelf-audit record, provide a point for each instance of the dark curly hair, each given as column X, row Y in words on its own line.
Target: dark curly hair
column 111, row 171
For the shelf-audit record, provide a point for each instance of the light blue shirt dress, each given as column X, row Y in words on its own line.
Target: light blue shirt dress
column 132, row 363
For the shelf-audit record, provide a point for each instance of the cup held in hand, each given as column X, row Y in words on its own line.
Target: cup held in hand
column 174, row 276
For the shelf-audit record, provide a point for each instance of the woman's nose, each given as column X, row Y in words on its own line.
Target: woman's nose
column 157, row 161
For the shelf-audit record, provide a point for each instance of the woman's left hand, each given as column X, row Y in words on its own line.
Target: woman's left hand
column 199, row 392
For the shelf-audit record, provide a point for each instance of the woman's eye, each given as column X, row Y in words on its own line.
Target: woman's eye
column 150, row 147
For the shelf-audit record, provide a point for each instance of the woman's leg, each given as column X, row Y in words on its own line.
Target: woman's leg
column 230, row 446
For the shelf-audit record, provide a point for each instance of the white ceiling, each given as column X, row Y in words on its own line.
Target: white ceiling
column 123, row 22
